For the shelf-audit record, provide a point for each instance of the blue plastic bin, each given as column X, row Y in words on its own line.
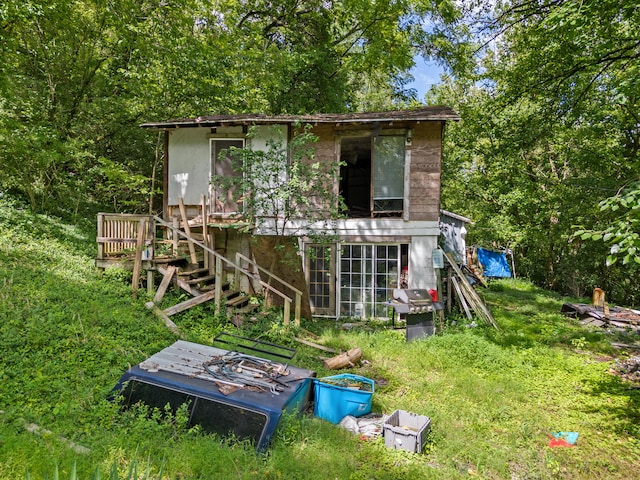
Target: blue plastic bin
column 333, row 403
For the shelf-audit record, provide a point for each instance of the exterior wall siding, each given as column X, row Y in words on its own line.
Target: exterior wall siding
column 424, row 177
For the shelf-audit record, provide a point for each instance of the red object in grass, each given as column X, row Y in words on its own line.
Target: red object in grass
column 559, row 443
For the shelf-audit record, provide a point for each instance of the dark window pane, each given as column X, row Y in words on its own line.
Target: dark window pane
column 216, row 417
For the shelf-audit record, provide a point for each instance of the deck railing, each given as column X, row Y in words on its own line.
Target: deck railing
column 118, row 234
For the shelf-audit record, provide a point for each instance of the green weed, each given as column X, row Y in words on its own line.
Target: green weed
column 493, row 396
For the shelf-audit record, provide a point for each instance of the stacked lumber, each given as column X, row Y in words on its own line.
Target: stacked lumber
column 467, row 296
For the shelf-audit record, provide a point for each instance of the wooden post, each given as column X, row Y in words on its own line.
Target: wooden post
column 211, row 256
column 150, row 281
column 287, row 311
column 175, row 238
column 236, row 273
column 137, row 264
column 205, row 234
column 100, row 243
column 218, row 286
column 298, row 311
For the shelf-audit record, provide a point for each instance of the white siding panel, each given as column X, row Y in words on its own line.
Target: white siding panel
column 189, row 165
column 421, row 271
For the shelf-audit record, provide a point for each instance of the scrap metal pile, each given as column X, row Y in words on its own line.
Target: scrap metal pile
column 628, row 369
column 616, row 317
column 237, row 370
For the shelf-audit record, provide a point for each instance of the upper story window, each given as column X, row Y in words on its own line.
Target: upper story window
column 372, row 177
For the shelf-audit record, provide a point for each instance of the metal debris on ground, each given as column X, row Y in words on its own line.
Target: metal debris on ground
column 616, row 317
column 237, row 370
column 628, row 369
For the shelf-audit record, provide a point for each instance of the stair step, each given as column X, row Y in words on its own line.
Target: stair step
column 196, row 280
column 248, row 308
column 196, row 271
column 211, row 286
column 238, row 300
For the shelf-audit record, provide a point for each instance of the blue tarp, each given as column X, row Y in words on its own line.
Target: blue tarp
column 494, row 264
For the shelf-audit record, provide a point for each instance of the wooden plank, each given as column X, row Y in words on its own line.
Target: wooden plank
column 184, row 286
column 625, row 345
column 315, row 345
column 166, row 281
column 237, row 300
column 167, row 321
column 197, row 280
column 192, row 302
column 461, row 297
column 471, row 295
column 187, row 229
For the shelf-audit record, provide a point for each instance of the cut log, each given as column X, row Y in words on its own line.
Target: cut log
column 347, row 359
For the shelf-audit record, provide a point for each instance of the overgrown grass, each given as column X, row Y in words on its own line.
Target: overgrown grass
column 493, row 396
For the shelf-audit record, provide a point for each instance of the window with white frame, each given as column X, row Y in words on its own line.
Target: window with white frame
column 368, row 274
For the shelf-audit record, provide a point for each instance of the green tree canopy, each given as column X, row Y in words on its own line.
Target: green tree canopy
column 549, row 130
column 78, row 76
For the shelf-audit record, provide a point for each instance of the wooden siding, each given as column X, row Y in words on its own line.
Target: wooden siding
column 424, row 177
column 325, row 154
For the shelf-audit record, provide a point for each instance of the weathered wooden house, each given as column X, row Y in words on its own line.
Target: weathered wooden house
column 389, row 179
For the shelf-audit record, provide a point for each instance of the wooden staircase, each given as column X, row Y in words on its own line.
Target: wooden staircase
column 220, row 282
column 201, row 285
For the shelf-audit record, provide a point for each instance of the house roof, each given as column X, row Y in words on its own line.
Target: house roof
column 446, row 213
column 438, row 114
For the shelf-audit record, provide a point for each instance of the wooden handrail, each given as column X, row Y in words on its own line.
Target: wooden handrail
column 238, row 268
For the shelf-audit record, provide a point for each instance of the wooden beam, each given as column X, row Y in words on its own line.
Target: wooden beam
column 181, row 283
column 187, row 229
column 192, row 302
column 315, row 345
column 471, row 295
column 461, row 297
column 166, row 280
column 167, row 321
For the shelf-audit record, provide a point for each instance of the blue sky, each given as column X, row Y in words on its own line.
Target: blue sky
column 426, row 74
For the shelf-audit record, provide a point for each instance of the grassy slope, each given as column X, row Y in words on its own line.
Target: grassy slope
column 66, row 335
